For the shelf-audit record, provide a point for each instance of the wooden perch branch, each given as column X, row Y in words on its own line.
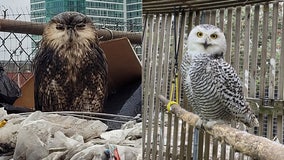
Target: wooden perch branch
column 244, row 142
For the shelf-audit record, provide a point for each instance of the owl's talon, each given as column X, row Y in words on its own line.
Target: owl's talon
column 169, row 105
column 209, row 124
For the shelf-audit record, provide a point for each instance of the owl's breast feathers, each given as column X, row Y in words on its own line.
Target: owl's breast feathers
column 70, row 68
column 214, row 90
column 76, row 76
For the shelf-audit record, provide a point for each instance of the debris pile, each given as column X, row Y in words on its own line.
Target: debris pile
column 42, row 135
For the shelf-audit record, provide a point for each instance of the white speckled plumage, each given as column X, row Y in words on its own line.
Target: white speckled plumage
column 212, row 86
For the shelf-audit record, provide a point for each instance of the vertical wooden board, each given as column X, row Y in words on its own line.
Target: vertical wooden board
column 186, row 149
column 145, row 44
column 145, row 41
column 237, row 40
column 170, row 116
column 149, row 108
column 181, row 48
column 281, row 66
column 200, row 144
column 166, row 79
column 207, row 146
column 145, row 70
column 189, row 22
column 153, row 66
column 272, row 62
column 213, row 17
column 232, row 151
column 261, row 124
column 215, row 149
column 232, row 154
column 160, row 35
column 144, row 73
column 167, row 51
column 180, row 52
column 205, row 17
column 280, row 128
column 241, row 156
column 189, row 143
column 169, row 136
column 254, row 53
column 264, row 50
column 175, row 118
column 246, row 51
column 269, row 126
column 182, row 140
column 176, row 129
column 223, row 151
column 189, row 128
column 221, row 19
column 229, row 35
column 153, row 86
column 197, row 18
column 162, row 88
column 180, row 25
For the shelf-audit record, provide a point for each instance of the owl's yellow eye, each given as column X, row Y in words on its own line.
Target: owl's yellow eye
column 213, row 36
column 199, row 34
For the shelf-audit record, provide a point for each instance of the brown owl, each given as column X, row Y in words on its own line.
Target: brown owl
column 70, row 68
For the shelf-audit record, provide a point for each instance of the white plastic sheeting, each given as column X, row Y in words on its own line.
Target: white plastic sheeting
column 52, row 136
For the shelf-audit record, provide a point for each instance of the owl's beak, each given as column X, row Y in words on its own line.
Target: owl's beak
column 206, row 44
column 70, row 32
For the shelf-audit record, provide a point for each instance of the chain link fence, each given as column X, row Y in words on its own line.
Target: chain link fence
column 17, row 50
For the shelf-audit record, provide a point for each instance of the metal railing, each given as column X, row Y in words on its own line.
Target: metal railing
column 19, row 42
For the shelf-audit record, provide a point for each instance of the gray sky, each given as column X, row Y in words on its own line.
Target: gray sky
column 15, row 7
column 20, row 9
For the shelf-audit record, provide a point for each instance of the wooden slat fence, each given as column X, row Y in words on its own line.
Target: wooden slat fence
column 255, row 48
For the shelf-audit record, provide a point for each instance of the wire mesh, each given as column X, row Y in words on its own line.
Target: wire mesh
column 18, row 50
column 105, row 117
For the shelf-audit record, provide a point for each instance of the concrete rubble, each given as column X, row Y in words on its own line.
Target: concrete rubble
column 52, row 136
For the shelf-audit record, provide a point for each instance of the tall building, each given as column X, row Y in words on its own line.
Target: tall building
column 123, row 15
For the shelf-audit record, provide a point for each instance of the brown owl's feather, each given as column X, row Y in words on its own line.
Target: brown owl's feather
column 70, row 68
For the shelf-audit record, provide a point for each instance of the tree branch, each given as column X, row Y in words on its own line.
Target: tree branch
column 242, row 141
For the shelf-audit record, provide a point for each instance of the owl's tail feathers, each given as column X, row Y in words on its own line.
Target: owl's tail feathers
column 248, row 117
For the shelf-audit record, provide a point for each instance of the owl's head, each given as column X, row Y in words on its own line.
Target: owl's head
column 207, row 39
column 69, row 28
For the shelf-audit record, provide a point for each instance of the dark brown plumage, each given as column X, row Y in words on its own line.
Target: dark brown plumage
column 70, row 68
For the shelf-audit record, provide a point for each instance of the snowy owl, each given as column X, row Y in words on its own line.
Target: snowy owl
column 212, row 86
